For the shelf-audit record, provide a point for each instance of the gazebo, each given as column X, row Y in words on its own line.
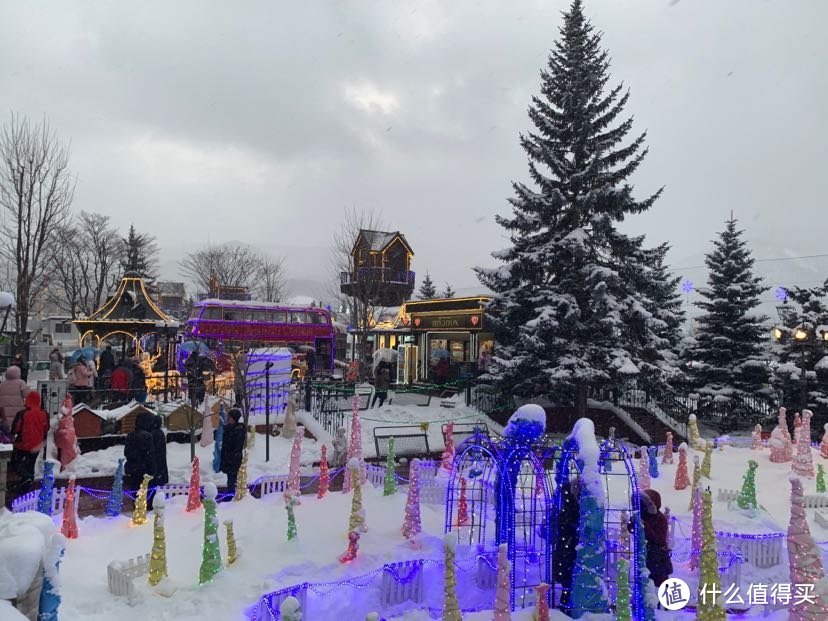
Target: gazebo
column 129, row 314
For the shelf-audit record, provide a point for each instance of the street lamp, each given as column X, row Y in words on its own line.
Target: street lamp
column 167, row 329
column 804, row 336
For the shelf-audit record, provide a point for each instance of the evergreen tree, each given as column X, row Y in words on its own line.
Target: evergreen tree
column 139, row 254
column 448, row 292
column 427, row 289
column 665, row 304
column 728, row 349
column 808, row 310
column 571, row 306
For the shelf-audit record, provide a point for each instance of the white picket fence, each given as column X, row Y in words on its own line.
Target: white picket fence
column 375, row 475
column 727, row 495
column 433, row 491
column 121, row 576
column 762, row 553
column 272, row 484
column 266, row 609
column 28, row 502
column 402, row 582
column 173, row 490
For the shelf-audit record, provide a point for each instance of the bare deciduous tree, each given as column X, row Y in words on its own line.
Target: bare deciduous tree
column 360, row 305
column 235, row 265
column 271, row 279
column 84, row 258
column 36, row 192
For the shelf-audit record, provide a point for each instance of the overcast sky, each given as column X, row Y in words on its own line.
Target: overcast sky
column 260, row 121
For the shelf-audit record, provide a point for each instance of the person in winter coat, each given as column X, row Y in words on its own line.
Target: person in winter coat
column 196, row 367
column 13, row 391
column 29, row 432
column 139, row 450
column 106, row 363
column 656, row 533
column 232, row 447
column 139, row 381
column 121, row 382
column 24, row 368
column 382, row 381
column 77, row 380
column 65, row 438
column 159, row 444
column 567, row 542
column 441, row 371
column 56, row 364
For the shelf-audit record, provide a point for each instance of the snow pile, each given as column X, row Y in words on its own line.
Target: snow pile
column 527, row 424
column 589, row 453
column 24, row 542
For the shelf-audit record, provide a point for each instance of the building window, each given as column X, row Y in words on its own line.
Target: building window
column 63, row 328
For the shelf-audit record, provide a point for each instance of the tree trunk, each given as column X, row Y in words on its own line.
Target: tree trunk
column 580, row 400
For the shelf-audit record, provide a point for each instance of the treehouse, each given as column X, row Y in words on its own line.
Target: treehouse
column 380, row 273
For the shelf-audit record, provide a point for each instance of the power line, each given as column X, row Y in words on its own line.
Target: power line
column 807, row 256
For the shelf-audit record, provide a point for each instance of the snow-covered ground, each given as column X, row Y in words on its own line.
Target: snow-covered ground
column 269, row 562
column 103, row 462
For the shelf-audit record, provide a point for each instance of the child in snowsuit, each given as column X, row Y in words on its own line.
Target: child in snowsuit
column 656, row 532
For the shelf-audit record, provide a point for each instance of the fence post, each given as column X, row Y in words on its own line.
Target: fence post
column 468, row 393
column 307, row 396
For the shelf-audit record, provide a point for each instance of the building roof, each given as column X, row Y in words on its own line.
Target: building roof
column 171, row 289
column 129, row 302
column 379, row 240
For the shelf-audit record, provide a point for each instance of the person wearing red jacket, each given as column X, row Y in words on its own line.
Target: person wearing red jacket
column 29, row 432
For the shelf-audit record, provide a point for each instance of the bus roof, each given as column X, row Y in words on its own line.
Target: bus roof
column 253, row 304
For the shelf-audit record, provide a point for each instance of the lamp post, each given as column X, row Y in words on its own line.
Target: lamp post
column 167, row 329
column 268, row 366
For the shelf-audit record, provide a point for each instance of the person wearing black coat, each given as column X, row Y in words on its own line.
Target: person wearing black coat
column 139, row 382
column 159, row 445
column 24, row 368
column 139, row 451
column 232, row 448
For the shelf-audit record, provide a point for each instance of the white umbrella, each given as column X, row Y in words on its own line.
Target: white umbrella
column 384, row 354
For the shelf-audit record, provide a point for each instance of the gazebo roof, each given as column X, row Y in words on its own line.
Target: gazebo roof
column 129, row 310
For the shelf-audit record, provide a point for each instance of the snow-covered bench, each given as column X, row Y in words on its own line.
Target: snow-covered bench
column 421, row 399
column 409, row 440
column 463, row 431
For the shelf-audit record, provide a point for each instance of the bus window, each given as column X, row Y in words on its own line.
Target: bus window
column 277, row 316
column 231, row 315
column 298, row 317
column 316, row 317
column 259, row 316
column 195, row 312
column 211, row 312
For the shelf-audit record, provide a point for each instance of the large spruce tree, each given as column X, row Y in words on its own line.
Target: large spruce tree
column 427, row 289
column 139, row 254
column 808, row 311
column 729, row 354
column 572, row 307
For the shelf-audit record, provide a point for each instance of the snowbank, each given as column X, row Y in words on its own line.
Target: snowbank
column 24, row 538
